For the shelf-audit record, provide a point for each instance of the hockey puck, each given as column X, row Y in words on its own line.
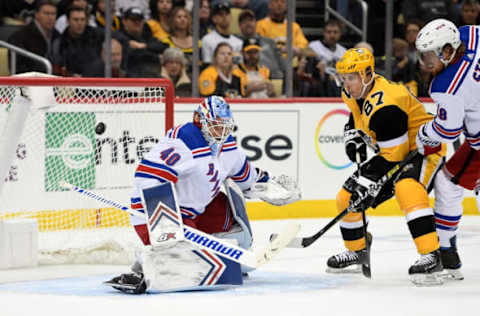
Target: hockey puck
column 100, row 128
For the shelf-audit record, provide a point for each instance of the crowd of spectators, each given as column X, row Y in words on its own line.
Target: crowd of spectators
column 241, row 55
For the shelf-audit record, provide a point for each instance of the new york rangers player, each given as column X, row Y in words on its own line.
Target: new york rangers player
column 453, row 56
column 198, row 158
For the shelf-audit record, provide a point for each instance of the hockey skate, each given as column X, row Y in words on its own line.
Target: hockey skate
column 426, row 270
column 451, row 262
column 348, row 261
column 131, row 283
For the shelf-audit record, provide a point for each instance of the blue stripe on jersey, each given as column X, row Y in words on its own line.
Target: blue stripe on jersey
column 444, row 79
column 243, row 174
column 157, row 165
column 190, row 209
column 445, row 132
column 443, row 227
column 149, row 176
column 209, row 153
column 135, row 200
column 468, row 42
column 448, row 218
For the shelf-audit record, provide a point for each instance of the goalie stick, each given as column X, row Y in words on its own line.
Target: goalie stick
column 242, row 256
column 299, row 242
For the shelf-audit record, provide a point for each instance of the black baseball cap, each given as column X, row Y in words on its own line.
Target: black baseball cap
column 133, row 13
column 221, row 6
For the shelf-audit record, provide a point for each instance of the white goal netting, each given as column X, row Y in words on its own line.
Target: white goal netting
column 90, row 133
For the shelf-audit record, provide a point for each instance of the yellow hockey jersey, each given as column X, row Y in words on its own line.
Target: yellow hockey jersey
column 390, row 115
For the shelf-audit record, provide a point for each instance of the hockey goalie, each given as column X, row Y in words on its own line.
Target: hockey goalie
column 189, row 191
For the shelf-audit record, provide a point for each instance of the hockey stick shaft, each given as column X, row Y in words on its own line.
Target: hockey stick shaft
column 366, row 270
column 207, row 241
column 307, row 241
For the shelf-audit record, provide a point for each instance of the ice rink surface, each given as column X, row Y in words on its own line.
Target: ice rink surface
column 294, row 283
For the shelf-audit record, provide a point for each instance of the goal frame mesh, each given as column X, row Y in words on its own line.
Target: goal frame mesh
column 108, row 247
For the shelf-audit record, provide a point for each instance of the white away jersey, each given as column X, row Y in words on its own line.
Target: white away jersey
column 456, row 91
column 184, row 158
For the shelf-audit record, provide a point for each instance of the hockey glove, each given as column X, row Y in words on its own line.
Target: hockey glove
column 363, row 194
column 425, row 145
column 354, row 143
column 277, row 191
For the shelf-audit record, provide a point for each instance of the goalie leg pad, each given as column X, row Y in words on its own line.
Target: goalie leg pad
column 164, row 220
column 239, row 213
column 181, row 266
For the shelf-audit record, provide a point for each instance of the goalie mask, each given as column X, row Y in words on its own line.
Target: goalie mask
column 357, row 60
column 216, row 121
column 432, row 39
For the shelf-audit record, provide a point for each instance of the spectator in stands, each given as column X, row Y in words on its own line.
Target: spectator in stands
column 270, row 55
column 254, row 78
column 328, row 50
column 469, row 13
column 275, row 26
column 174, row 69
column 36, row 37
column 159, row 23
column 78, row 45
column 206, row 25
column 259, row 7
column 365, row 45
column 140, row 48
column 218, row 79
column 121, row 6
column 423, row 78
column 15, row 12
column 311, row 78
column 221, row 19
column 62, row 21
column 427, row 10
column 180, row 25
column 97, row 67
column 99, row 15
column 403, row 69
column 411, row 30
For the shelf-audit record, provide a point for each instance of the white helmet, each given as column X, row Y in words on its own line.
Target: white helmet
column 435, row 35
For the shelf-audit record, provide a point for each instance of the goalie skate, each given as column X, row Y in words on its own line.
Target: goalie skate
column 130, row 283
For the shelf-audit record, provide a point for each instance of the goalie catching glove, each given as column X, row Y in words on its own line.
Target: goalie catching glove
column 277, row 191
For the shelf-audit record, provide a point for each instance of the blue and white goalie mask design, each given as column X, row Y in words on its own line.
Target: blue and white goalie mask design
column 216, row 120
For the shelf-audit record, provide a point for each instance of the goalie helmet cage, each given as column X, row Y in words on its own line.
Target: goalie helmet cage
column 88, row 132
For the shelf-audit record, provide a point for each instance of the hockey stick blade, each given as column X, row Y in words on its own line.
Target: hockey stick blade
column 304, row 242
column 278, row 243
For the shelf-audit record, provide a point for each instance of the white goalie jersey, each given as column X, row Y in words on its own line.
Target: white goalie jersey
column 184, row 158
column 455, row 91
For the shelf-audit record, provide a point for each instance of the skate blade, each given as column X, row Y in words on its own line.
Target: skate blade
column 451, row 275
column 348, row 270
column 431, row 279
column 120, row 286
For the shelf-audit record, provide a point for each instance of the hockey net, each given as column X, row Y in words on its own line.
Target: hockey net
column 90, row 133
